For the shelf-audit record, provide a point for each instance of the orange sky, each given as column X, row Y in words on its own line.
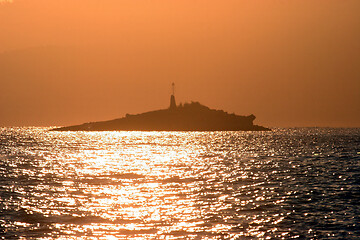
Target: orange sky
column 290, row 63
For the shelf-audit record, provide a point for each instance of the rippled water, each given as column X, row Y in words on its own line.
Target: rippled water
column 287, row 183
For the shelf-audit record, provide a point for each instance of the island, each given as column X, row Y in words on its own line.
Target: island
column 184, row 117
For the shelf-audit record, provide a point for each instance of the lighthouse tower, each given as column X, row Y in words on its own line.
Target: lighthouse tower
column 172, row 98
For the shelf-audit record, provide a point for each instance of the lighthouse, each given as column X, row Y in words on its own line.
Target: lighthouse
column 172, row 98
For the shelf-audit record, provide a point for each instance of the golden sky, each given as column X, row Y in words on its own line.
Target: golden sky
column 290, row 63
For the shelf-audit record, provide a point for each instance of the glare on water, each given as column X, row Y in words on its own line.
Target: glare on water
column 170, row 185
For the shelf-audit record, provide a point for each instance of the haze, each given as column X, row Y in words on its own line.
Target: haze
column 290, row 63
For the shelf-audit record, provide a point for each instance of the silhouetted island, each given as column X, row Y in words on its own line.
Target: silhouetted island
column 188, row 117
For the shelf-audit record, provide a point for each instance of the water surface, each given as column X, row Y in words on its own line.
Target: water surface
column 288, row 183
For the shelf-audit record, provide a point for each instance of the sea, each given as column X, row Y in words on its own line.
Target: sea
column 289, row 183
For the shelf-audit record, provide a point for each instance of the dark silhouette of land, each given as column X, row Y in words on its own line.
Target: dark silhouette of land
column 188, row 117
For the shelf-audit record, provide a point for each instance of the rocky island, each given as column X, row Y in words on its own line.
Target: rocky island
column 188, row 117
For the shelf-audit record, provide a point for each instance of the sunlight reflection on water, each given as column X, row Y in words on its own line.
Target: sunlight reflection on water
column 174, row 184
